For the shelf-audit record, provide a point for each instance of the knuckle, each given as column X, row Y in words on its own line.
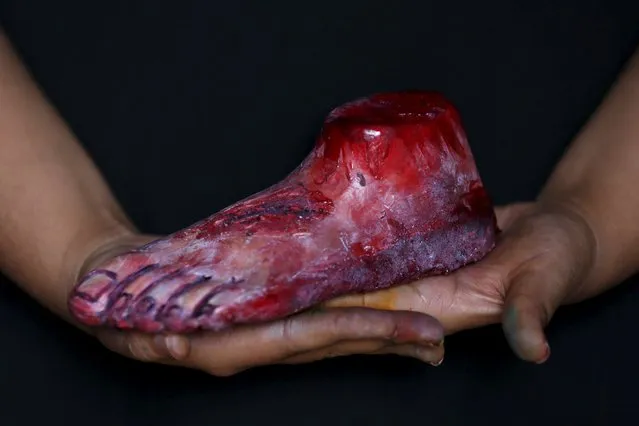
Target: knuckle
column 345, row 325
column 522, row 301
column 286, row 330
column 487, row 281
column 529, row 306
column 385, row 328
column 365, row 324
column 287, row 333
column 223, row 371
column 142, row 348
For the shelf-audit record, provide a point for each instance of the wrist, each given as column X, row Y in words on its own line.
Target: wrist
column 610, row 243
column 85, row 244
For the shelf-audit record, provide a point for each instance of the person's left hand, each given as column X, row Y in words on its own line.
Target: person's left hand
column 541, row 261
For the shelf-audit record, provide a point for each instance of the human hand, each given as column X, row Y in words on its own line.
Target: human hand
column 300, row 338
column 542, row 259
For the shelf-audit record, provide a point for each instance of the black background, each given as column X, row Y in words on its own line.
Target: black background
column 189, row 106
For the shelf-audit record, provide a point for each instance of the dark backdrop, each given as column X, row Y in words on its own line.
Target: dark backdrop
column 189, row 106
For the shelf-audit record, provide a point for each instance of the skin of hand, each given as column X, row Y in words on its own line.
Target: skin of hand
column 541, row 260
column 58, row 219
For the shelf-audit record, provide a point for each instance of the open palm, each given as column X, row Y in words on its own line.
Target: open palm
column 542, row 256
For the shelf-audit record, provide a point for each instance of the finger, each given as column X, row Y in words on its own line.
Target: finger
column 146, row 347
column 465, row 299
column 339, row 349
column 432, row 354
column 427, row 296
column 235, row 350
column 388, row 299
column 531, row 301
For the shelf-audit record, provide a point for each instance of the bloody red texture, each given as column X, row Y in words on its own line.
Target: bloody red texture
column 389, row 194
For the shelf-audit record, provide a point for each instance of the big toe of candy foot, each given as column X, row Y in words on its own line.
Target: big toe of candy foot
column 389, row 194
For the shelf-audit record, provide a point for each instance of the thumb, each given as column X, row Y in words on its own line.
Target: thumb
column 166, row 349
column 532, row 298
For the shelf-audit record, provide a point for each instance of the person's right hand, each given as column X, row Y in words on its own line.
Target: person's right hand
column 300, row 338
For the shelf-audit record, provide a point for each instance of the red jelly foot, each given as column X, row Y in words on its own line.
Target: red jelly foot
column 389, row 194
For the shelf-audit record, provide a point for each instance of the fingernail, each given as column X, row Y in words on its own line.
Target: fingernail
column 546, row 354
column 437, row 363
column 178, row 346
column 427, row 355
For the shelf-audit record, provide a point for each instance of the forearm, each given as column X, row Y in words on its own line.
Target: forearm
column 54, row 205
column 599, row 177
